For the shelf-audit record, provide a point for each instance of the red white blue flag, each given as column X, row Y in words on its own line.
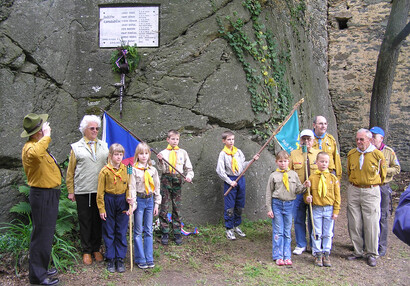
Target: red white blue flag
column 114, row 133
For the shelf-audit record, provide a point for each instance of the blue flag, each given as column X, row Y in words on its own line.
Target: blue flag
column 288, row 136
column 114, row 133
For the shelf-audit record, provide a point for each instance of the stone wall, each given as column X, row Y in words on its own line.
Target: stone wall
column 356, row 30
column 51, row 63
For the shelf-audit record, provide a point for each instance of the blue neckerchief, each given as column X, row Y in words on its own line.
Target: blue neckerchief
column 319, row 138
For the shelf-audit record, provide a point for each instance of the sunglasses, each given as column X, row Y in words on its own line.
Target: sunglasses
column 94, row 128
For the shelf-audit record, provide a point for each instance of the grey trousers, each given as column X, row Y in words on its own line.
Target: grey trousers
column 385, row 192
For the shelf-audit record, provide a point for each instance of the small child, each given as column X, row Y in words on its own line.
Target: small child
column 283, row 185
column 231, row 163
column 112, row 204
column 325, row 198
column 144, row 186
column 171, row 183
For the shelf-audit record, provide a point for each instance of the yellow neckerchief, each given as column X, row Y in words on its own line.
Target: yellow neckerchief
column 285, row 178
column 172, row 158
column 322, row 189
column 148, row 180
column 231, row 153
column 116, row 173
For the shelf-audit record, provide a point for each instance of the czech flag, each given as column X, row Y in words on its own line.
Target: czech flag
column 288, row 136
column 114, row 133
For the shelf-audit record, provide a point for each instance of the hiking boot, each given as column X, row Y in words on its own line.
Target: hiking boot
column 230, row 234
column 239, row 231
column 318, row 259
column 371, row 261
column 120, row 265
column 279, row 262
column 299, row 250
column 164, row 239
column 110, row 265
column 326, row 260
column 178, row 239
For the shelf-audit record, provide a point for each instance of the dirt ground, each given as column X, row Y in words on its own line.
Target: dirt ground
column 209, row 259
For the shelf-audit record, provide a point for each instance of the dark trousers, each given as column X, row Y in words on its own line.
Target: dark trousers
column 234, row 203
column 44, row 211
column 90, row 222
column 385, row 192
column 115, row 226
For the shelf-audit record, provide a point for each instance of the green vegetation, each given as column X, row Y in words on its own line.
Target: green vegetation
column 132, row 56
column 263, row 63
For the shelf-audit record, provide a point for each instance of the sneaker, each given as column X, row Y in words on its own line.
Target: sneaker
column 178, row 239
column 326, row 260
column 120, row 265
column 150, row 264
column 110, row 265
column 299, row 250
column 142, row 265
column 164, row 239
column 280, row 262
column 230, row 234
column 318, row 259
column 288, row 262
column 239, row 231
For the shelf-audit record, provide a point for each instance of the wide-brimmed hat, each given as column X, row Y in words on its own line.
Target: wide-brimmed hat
column 32, row 123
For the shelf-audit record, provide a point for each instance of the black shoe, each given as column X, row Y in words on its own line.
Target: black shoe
column 353, row 257
column 50, row 281
column 371, row 261
column 164, row 239
column 110, row 265
column 178, row 239
column 51, row 272
column 120, row 265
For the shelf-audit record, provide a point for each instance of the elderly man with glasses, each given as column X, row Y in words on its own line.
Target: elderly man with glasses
column 87, row 158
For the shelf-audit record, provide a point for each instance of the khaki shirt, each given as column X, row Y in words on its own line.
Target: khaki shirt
column 137, row 184
column 107, row 185
column 332, row 197
column 41, row 169
column 297, row 162
column 373, row 171
column 330, row 147
column 392, row 163
column 276, row 188
column 183, row 163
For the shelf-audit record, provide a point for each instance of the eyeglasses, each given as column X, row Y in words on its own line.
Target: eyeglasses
column 94, row 128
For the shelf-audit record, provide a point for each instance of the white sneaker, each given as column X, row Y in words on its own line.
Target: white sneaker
column 230, row 234
column 239, row 231
column 299, row 250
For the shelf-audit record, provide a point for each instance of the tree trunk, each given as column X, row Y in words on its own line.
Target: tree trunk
column 386, row 66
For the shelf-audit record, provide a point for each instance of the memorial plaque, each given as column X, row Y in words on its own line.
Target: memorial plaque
column 129, row 26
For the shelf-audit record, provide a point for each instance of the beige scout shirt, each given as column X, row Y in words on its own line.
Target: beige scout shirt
column 392, row 163
column 183, row 163
column 137, row 184
column 276, row 188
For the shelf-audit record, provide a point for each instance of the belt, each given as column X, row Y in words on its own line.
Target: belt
column 144, row 196
column 365, row 186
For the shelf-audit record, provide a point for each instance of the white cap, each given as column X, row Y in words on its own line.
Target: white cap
column 306, row 132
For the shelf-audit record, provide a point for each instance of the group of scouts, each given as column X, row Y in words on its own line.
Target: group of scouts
column 106, row 196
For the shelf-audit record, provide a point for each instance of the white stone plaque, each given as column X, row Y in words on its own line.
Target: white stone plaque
column 129, row 26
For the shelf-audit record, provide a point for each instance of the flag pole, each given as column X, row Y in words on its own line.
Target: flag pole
column 135, row 136
column 267, row 142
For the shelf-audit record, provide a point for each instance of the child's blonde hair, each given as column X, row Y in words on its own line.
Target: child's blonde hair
column 282, row 155
column 172, row 132
column 115, row 147
column 226, row 134
column 322, row 153
column 141, row 148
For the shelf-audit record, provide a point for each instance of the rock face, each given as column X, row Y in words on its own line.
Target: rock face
column 356, row 32
column 51, row 63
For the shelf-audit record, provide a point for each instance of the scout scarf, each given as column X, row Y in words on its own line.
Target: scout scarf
column 148, row 180
column 117, row 174
column 369, row 149
column 319, row 138
column 285, row 178
column 172, row 158
column 322, row 189
column 232, row 153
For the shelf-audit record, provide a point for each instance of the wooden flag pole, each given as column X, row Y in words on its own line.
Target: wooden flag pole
column 267, row 142
column 135, row 136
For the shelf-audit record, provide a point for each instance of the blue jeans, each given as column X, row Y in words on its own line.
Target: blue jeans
column 299, row 219
column 234, row 203
column 143, row 224
column 322, row 218
column 281, row 229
